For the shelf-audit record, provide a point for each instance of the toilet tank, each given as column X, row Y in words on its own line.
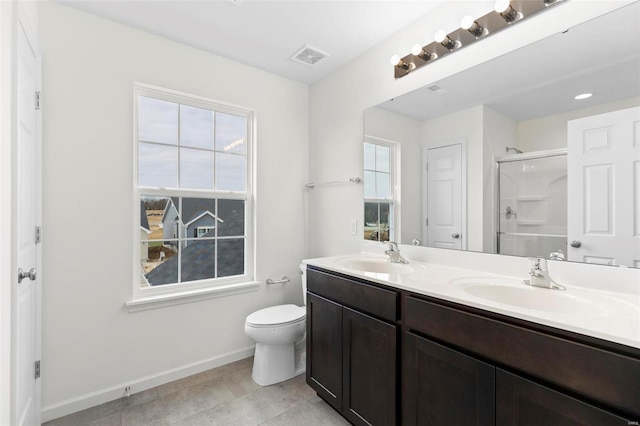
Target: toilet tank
column 303, row 272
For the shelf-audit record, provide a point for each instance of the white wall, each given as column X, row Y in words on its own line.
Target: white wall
column 337, row 102
column 550, row 132
column 92, row 347
column 387, row 125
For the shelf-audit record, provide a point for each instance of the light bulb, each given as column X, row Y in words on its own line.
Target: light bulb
column 502, row 5
column 583, row 96
column 416, row 49
column 439, row 36
column 395, row 60
column 467, row 22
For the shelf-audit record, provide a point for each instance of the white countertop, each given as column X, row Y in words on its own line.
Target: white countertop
column 600, row 313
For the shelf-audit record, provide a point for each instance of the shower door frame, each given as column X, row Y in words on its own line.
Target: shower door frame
column 534, row 155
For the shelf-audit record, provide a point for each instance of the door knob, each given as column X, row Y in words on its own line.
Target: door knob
column 31, row 274
column 455, row 235
column 575, row 243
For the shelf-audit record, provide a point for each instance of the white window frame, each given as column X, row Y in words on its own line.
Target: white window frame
column 394, row 175
column 170, row 294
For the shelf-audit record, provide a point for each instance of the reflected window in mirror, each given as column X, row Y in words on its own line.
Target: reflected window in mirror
column 380, row 189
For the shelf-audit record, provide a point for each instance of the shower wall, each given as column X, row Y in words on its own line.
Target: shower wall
column 532, row 195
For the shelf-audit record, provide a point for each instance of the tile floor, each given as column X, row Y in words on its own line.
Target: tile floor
column 222, row 396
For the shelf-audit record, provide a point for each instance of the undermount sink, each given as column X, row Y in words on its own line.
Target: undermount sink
column 538, row 299
column 376, row 266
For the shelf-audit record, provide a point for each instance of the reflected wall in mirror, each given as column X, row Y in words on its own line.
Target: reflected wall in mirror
column 502, row 158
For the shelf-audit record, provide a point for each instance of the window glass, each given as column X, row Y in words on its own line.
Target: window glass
column 193, row 191
column 196, row 169
column 157, row 165
column 196, row 127
column 157, row 121
column 231, row 133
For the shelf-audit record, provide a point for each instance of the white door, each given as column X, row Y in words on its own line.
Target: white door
column 27, row 410
column 604, row 188
column 445, row 198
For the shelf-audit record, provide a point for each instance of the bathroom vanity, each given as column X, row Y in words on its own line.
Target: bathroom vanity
column 388, row 350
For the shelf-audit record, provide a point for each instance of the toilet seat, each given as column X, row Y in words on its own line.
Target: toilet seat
column 280, row 315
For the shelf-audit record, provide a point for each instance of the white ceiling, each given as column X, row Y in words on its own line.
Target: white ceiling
column 265, row 33
column 541, row 79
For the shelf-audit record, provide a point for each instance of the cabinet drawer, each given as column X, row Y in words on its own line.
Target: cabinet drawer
column 604, row 376
column 364, row 297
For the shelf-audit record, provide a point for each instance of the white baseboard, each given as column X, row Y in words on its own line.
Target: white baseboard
column 98, row 397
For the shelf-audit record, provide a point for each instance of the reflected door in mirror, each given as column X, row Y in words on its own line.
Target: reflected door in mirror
column 604, row 188
column 444, row 183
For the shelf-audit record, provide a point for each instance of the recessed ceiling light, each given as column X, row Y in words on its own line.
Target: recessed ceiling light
column 583, row 96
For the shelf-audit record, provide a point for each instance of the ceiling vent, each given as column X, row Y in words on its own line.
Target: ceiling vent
column 436, row 88
column 308, row 55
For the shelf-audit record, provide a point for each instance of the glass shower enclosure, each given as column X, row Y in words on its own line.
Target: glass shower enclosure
column 532, row 204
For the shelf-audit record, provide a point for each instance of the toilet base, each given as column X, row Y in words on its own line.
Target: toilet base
column 277, row 363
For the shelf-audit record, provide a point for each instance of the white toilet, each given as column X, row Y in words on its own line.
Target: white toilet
column 279, row 333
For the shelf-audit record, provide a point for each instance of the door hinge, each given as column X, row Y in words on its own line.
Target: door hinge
column 426, row 167
column 426, row 222
column 37, row 99
column 38, row 369
column 38, row 235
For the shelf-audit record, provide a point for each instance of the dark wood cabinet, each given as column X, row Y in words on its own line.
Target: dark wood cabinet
column 369, row 366
column 457, row 365
column 351, row 355
column 521, row 402
column 444, row 387
column 324, row 349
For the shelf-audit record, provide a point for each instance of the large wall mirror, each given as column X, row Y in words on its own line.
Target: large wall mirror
column 502, row 157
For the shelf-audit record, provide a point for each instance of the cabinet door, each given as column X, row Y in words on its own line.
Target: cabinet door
column 369, row 365
column 324, row 349
column 445, row 387
column 524, row 403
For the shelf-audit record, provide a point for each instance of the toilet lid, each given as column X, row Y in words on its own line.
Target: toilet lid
column 277, row 315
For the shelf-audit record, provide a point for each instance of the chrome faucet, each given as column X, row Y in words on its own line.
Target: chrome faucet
column 394, row 253
column 540, row 275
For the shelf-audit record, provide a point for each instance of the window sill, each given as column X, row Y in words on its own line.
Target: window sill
column 188, row 296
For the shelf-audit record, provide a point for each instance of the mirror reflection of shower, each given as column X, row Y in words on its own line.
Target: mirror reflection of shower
column 532, row 194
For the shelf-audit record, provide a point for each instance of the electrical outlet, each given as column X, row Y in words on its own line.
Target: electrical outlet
column 354, row 227
column 127, row 391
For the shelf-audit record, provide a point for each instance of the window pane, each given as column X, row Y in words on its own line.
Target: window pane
column 196, row 169
column 231, row 212
column 151, row 213
column 369, row 156
column 157, row 166
column 371, row 221
column 383, row 186
column 382, row 158
column 385, row 221
column 230, row 257
column 199, row 213
column 231, row 133
column 198, row 260
column 162, row 269
column 196, row 127
column 230, row 172
column 369, row 184
column 157, row 121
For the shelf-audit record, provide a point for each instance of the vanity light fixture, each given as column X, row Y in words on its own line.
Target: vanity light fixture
column 417, row 50
column 471, row 25
column 446, row 42
column 508, row 13
column 398, row 62
column 505, row 14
